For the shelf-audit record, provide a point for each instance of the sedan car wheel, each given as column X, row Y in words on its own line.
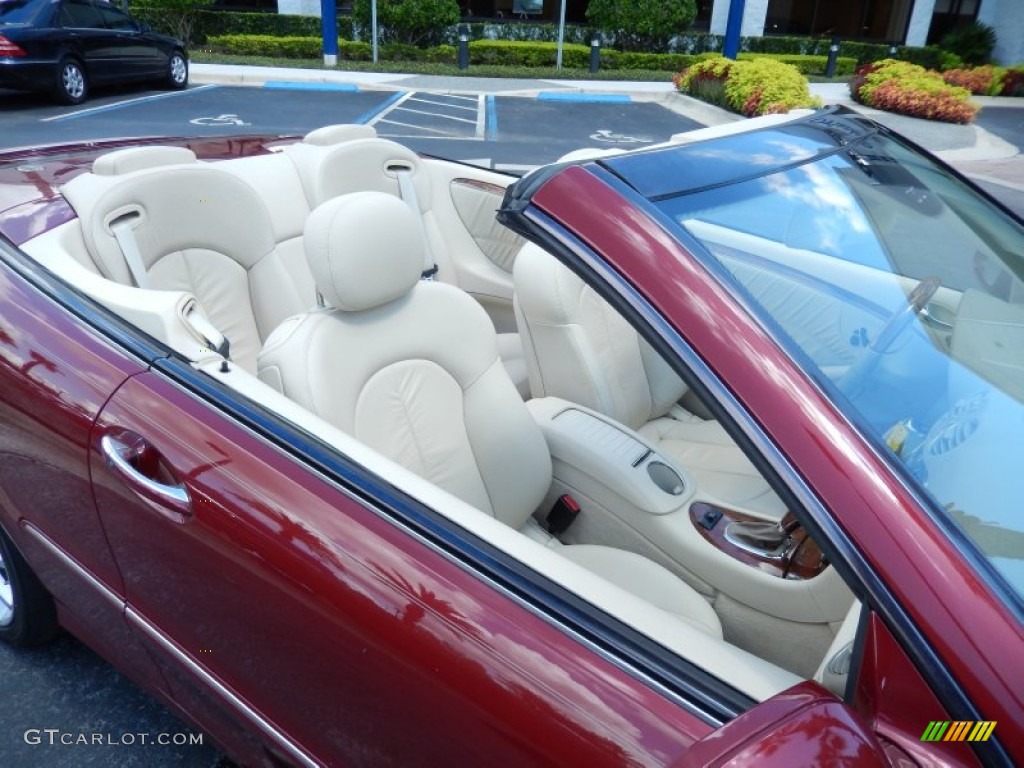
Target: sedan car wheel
column 177, row 70
column 72, row 86
column 27, row 613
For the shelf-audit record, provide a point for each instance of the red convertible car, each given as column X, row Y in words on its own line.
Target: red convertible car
column 705, row 454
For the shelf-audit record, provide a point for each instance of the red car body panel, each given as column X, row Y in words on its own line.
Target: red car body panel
column 892, row 694
column 29, row 209
column 299, row 599
column 808, row 727
column 55, row 376
column 967, row 625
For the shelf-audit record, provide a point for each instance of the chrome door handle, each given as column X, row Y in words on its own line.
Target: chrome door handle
column 174, row 497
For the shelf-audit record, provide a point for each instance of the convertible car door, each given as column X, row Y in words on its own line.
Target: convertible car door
column 55, row 375
column 300, row 608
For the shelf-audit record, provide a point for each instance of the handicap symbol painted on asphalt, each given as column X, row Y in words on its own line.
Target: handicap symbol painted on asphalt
column 619, row 138
column 219, row 120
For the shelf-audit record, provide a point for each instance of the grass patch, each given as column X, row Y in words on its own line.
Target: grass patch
column 443, row 70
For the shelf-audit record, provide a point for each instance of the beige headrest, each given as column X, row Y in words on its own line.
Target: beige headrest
column 335, row 134
column 357, row 165
column 137, row 158
column 364, row 249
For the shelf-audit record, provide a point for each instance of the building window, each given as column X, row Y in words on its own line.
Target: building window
column 881, row 20
column 949, row 15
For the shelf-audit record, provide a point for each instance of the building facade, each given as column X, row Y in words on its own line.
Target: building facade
column 910, row 22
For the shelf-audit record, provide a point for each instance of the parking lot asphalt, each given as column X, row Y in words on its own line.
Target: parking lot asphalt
column 503, row 131
column 509, row 125
column 58, row 695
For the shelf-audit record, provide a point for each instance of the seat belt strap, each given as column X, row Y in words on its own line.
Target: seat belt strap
column 121, row 227
column 407, row 189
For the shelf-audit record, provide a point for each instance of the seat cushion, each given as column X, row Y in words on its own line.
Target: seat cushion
column 721, row 469
column 647, row 580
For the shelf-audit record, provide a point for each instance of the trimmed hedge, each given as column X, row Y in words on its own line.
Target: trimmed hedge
column 210, row 23
column 495, row 52
column 311, row 48
column 907, row 89
column 751, row 87
column 807, row 64
column 481, row 52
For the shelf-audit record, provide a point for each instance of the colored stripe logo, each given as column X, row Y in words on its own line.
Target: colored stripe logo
column 958, row 730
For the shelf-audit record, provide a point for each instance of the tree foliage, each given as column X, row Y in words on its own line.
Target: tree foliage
column 973, row 43
column 413, row 22
column 642, row 25
column 175, row 17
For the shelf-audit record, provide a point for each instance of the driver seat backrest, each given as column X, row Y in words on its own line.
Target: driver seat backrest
column 579, row 348
column 411, row 368
column 197, row 229
column 373, row 164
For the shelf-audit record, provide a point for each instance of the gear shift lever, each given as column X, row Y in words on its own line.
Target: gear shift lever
column 761, row 538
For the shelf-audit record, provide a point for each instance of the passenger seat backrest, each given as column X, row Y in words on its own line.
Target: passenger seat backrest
column 577, row 347
column 409, row 367
column 197, row 229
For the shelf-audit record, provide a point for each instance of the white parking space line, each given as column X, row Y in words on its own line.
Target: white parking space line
column 381, row 115
column 418, row 128
column 481, row 117
column 125, row 103
column 443, row 104
column 435, row 114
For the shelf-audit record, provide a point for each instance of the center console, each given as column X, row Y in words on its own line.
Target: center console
column 635, row 498
column 781, row 549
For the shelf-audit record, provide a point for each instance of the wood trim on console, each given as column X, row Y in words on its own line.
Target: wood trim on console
column 803, row 559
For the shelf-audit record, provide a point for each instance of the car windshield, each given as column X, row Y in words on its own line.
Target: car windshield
column 19, row 12
column 901, row 291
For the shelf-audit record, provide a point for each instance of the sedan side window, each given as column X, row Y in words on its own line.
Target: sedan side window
column 80, row 15
column 115, row 19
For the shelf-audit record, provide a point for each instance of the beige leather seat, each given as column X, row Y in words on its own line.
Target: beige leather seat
column 577, row 347
column 196, row 228
column 411, row 368
column 366, row 163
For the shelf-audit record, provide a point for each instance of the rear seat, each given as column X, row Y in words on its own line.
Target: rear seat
column 280, row 190
column 195, row 228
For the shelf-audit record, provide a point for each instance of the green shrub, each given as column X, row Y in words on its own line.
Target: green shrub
column 179, row 18
column 513, row 53
column 981, row 81
column 973, row 43
column 642, row 25
column 413, row 22
column 929, row 57
column 950, row 61
column 751, row 87
column 907, row 89
column 1013, row 81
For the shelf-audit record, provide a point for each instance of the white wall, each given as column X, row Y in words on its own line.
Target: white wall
column 299, row 7
column 920, row 21
column 1007, row 16
column 754, row 14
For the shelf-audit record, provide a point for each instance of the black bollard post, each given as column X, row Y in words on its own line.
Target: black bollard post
column 893, row 49
column 463, row 51
column 595, row 55
column 833, row 55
